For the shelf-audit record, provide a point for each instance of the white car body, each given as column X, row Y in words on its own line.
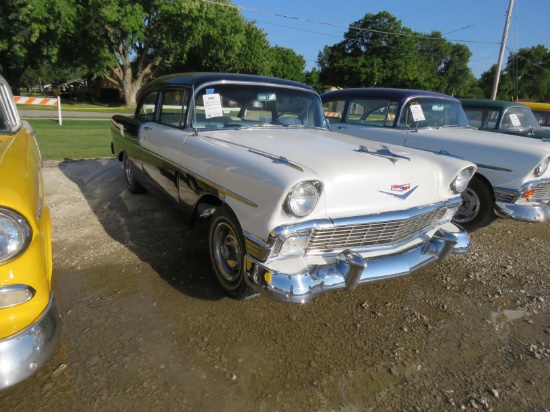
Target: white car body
column 507, row 162
column 213, row 166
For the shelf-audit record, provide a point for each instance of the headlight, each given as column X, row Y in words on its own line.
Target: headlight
column 460, row 183
column 302, row 198
column 542, row 167
column 15, row 295
column 15, row 234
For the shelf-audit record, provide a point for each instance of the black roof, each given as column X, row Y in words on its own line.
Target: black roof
column 198, row 78
column 370, row 92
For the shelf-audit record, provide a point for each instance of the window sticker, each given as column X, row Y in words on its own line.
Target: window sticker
column 209, row 91
column 212, row 105
column 515, row 120
column 417, row 113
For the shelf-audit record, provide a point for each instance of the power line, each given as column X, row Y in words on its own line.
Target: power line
column 341, row 25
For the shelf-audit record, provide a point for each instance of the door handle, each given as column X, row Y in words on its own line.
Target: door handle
column 146, row 128
column 342, row 127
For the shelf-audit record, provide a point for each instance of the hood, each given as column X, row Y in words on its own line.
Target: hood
column 514, row 155
column 359, row 176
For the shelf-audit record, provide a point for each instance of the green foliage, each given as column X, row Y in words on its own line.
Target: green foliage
column 526, row 76
column 372, row 55
column 286, row 64
column 31, row 32
column 313, row 79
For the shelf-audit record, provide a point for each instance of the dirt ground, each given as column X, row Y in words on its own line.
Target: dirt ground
column 145, row 327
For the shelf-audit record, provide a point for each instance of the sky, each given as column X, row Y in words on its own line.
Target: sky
column 307, row 26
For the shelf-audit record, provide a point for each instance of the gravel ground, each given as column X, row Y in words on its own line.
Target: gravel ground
column 147, row 329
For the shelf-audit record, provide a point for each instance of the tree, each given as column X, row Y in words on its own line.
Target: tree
column 31, row 32
column 379, row 51
column 525, row 76
column 286, row 64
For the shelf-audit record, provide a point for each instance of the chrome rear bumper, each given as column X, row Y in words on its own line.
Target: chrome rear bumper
column 351, row 269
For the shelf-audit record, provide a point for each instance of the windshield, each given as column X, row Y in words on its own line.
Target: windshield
column 246, row 105
column 432, row 112
column 519, row 118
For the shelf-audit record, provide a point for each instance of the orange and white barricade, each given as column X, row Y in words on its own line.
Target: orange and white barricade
column 41, row 101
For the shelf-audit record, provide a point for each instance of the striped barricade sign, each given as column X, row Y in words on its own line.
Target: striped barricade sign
column 40, row 101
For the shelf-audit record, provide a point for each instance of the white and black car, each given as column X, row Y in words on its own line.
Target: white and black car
column 294, row 209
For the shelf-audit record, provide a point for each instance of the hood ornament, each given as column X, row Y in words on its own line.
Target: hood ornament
column 383, row 152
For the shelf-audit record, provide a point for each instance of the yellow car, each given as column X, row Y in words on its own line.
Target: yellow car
column 541, row 112
column 29, row 316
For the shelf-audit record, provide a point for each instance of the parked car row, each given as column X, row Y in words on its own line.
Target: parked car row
column 303, row 193
column 512, row 178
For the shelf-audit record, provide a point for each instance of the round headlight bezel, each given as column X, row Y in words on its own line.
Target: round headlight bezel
column 542, row 167
column 302, row 199
column 13, row 224
column 462, row 179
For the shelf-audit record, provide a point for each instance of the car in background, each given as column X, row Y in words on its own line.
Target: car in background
column 512, row 179
column 293, row 209
column 503, row 117
column 541, row 112
column 29, row 316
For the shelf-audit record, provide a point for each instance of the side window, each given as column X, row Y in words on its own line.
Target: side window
column 475, row 117
column 172, row 109
column 334, row 110
column 371, row 112
column 146, row 112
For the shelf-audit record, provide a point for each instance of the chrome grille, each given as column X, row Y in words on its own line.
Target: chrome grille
column 377, row 233
column 541, row 190
column 507, row 197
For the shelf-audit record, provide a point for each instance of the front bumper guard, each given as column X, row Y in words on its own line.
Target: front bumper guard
column 534, row 212
column 351, row 269
column 23, row 354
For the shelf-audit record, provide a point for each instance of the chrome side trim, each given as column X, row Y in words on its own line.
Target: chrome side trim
column 500, row 169
column 22, row 354
column 223, row 191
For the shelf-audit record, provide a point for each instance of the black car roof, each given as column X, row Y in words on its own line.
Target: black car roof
column 199, row 78
column 398, row 94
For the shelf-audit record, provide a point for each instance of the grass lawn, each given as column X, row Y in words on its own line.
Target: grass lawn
column 75, row 139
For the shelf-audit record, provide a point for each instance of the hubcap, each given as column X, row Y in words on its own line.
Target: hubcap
column 469, row 208
column 227, row 252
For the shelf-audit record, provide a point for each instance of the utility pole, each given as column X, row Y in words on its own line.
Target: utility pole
column 502, row 50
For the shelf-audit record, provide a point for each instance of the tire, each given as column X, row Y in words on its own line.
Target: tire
column 132, row 184
column 227, row 253
column 477, row 209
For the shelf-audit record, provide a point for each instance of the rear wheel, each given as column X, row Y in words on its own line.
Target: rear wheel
column 477, row 209
column 227, row 253
column 132, row 184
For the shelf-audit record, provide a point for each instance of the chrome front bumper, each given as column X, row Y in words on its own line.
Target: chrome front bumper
column 535, row 212
column 351, row 269
column 23, row 354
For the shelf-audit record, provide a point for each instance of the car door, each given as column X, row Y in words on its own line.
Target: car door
column 162, row 139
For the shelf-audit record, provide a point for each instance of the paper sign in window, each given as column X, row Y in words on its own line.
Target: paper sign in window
column 515, row 120
column 212, row 105
column 417, row 113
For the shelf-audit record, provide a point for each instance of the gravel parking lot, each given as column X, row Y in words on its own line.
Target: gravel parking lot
column 146, row 327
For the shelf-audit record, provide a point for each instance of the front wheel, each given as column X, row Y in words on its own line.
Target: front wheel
column 227, row 253
column 132, row 184
column 477, row 209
